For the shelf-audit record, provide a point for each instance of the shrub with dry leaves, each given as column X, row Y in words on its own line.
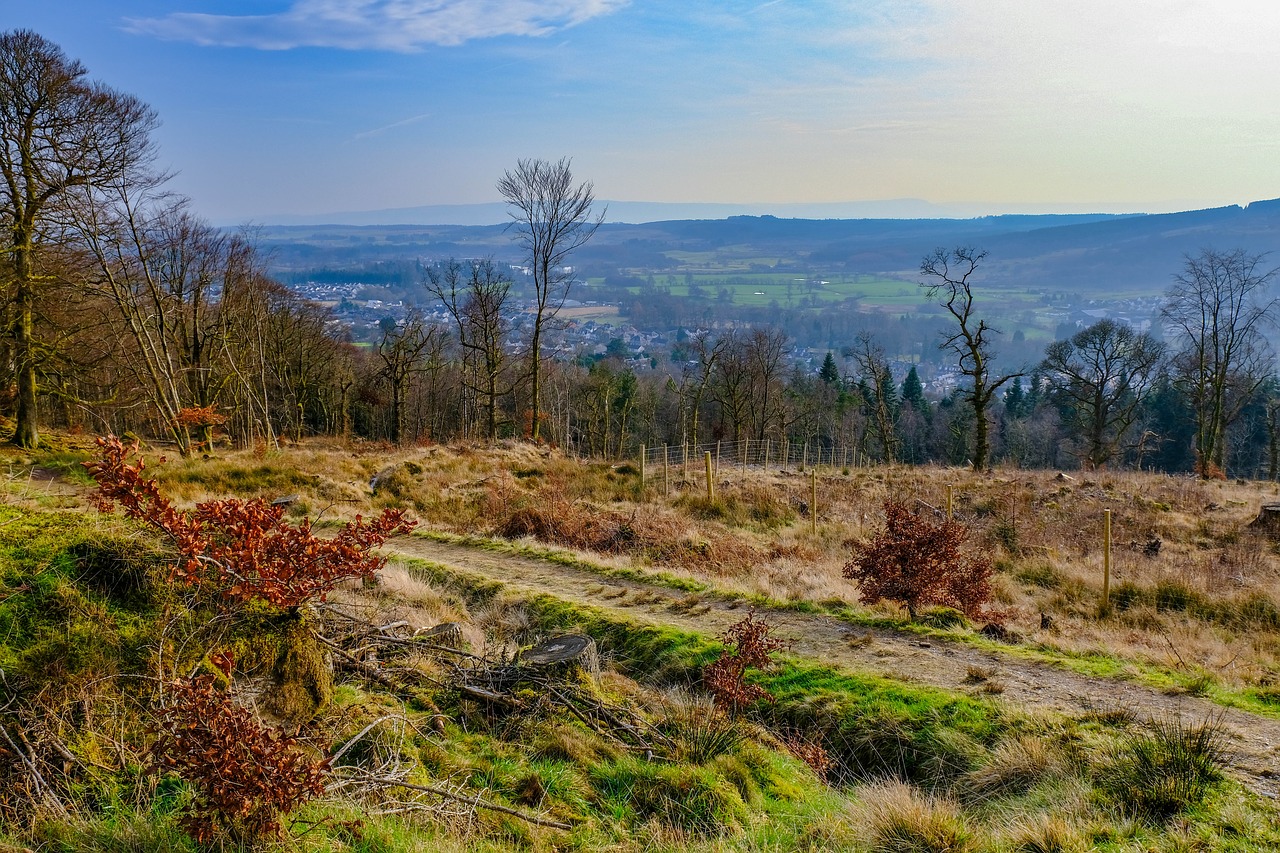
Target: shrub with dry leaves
column 243, row 550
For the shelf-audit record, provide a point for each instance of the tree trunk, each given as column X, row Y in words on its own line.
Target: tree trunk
column 25, row 433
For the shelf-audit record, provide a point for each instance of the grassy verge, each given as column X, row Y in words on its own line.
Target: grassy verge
column 1094, row 664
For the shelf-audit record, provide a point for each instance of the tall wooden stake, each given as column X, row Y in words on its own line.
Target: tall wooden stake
column 711, row 483
column 813, row 504
column 1106, row 558
column 642, row 470
column 666, row 471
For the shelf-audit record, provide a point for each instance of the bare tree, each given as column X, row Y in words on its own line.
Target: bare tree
column 475, row 299
column 1217, row 311
column 552, row 217
column 952, row 273
column 874, row 368
column 402, row 350
column 696, row 376
column 58, row 133
column 1103, row 374
column 164, row 270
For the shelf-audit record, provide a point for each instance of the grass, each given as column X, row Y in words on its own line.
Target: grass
column 903, row 756
column 1163, row 771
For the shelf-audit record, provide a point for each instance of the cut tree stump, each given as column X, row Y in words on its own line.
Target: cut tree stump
column 1268, row 520
column 571, row 649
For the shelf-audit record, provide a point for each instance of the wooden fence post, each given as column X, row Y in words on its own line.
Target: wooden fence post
column 1106, row 558
column 666, row 471
column 711, row 483
column 813, row 505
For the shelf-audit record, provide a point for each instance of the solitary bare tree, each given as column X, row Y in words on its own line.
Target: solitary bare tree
column 552, row 217
column 951, row 274
column 59, row 134
column 1217, row 310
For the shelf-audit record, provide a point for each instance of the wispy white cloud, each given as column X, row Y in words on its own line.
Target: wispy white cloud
column 394, row 25
column 378, row 131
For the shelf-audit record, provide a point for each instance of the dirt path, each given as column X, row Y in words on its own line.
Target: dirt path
column 1255, row 740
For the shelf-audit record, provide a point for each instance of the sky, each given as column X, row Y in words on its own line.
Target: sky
column 307, row 107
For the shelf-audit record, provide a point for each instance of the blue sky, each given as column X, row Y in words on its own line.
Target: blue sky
column 313, row 106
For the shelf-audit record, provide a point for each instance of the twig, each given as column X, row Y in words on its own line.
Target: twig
column 473, row 801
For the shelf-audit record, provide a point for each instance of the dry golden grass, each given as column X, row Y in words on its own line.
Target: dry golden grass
column 1204, row 604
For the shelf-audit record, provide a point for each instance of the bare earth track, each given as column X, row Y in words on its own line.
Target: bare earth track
column 1255, row 740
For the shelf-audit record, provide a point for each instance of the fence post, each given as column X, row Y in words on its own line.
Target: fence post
column 642, row 471
column 804, row 455
column 717, row 457
column 1106, row 558
column 684, row 449
column 666, row 472
column 711, row 483
column 766, row 456
column 744, row 447
column 813, row 505
column 950, row 493
column 786, row 452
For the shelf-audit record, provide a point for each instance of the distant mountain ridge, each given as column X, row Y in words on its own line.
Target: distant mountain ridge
column 1077, row 252
column 632, row 212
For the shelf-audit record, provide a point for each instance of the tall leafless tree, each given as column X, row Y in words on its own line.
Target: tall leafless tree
column 875, row 372
column 403, row 352
column 950, row 275
column 1217, row 312
column 475, row 297
column 1103, row 373
column 59, row 132
column 552, row 217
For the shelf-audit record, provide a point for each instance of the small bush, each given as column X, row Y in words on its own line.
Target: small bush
column 900, row 819
column 1165, row 771
column 725, row 677
column 917, row 562
column 246, row 775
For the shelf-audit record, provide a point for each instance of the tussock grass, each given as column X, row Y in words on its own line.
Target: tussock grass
column 900, row 819
column 1163, row 771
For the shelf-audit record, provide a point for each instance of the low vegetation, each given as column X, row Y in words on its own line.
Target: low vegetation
column 391, row 745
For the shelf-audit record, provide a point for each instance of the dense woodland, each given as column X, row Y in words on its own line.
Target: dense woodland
column 126, row 312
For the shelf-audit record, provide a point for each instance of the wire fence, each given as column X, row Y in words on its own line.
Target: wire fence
column 751, row 453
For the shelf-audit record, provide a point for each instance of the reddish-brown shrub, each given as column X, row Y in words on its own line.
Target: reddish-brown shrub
column 753, row 646
column 245, row 775
column 244, row 550
column 918, row 562
column 200, row 416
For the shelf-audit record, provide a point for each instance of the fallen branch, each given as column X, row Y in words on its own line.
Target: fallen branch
column 472, row 801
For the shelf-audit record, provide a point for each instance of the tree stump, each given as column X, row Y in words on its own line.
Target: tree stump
column 1268, row 520
column 444, row 634
column 569, row 651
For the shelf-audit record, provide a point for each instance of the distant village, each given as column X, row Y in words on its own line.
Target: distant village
column 639, row 349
